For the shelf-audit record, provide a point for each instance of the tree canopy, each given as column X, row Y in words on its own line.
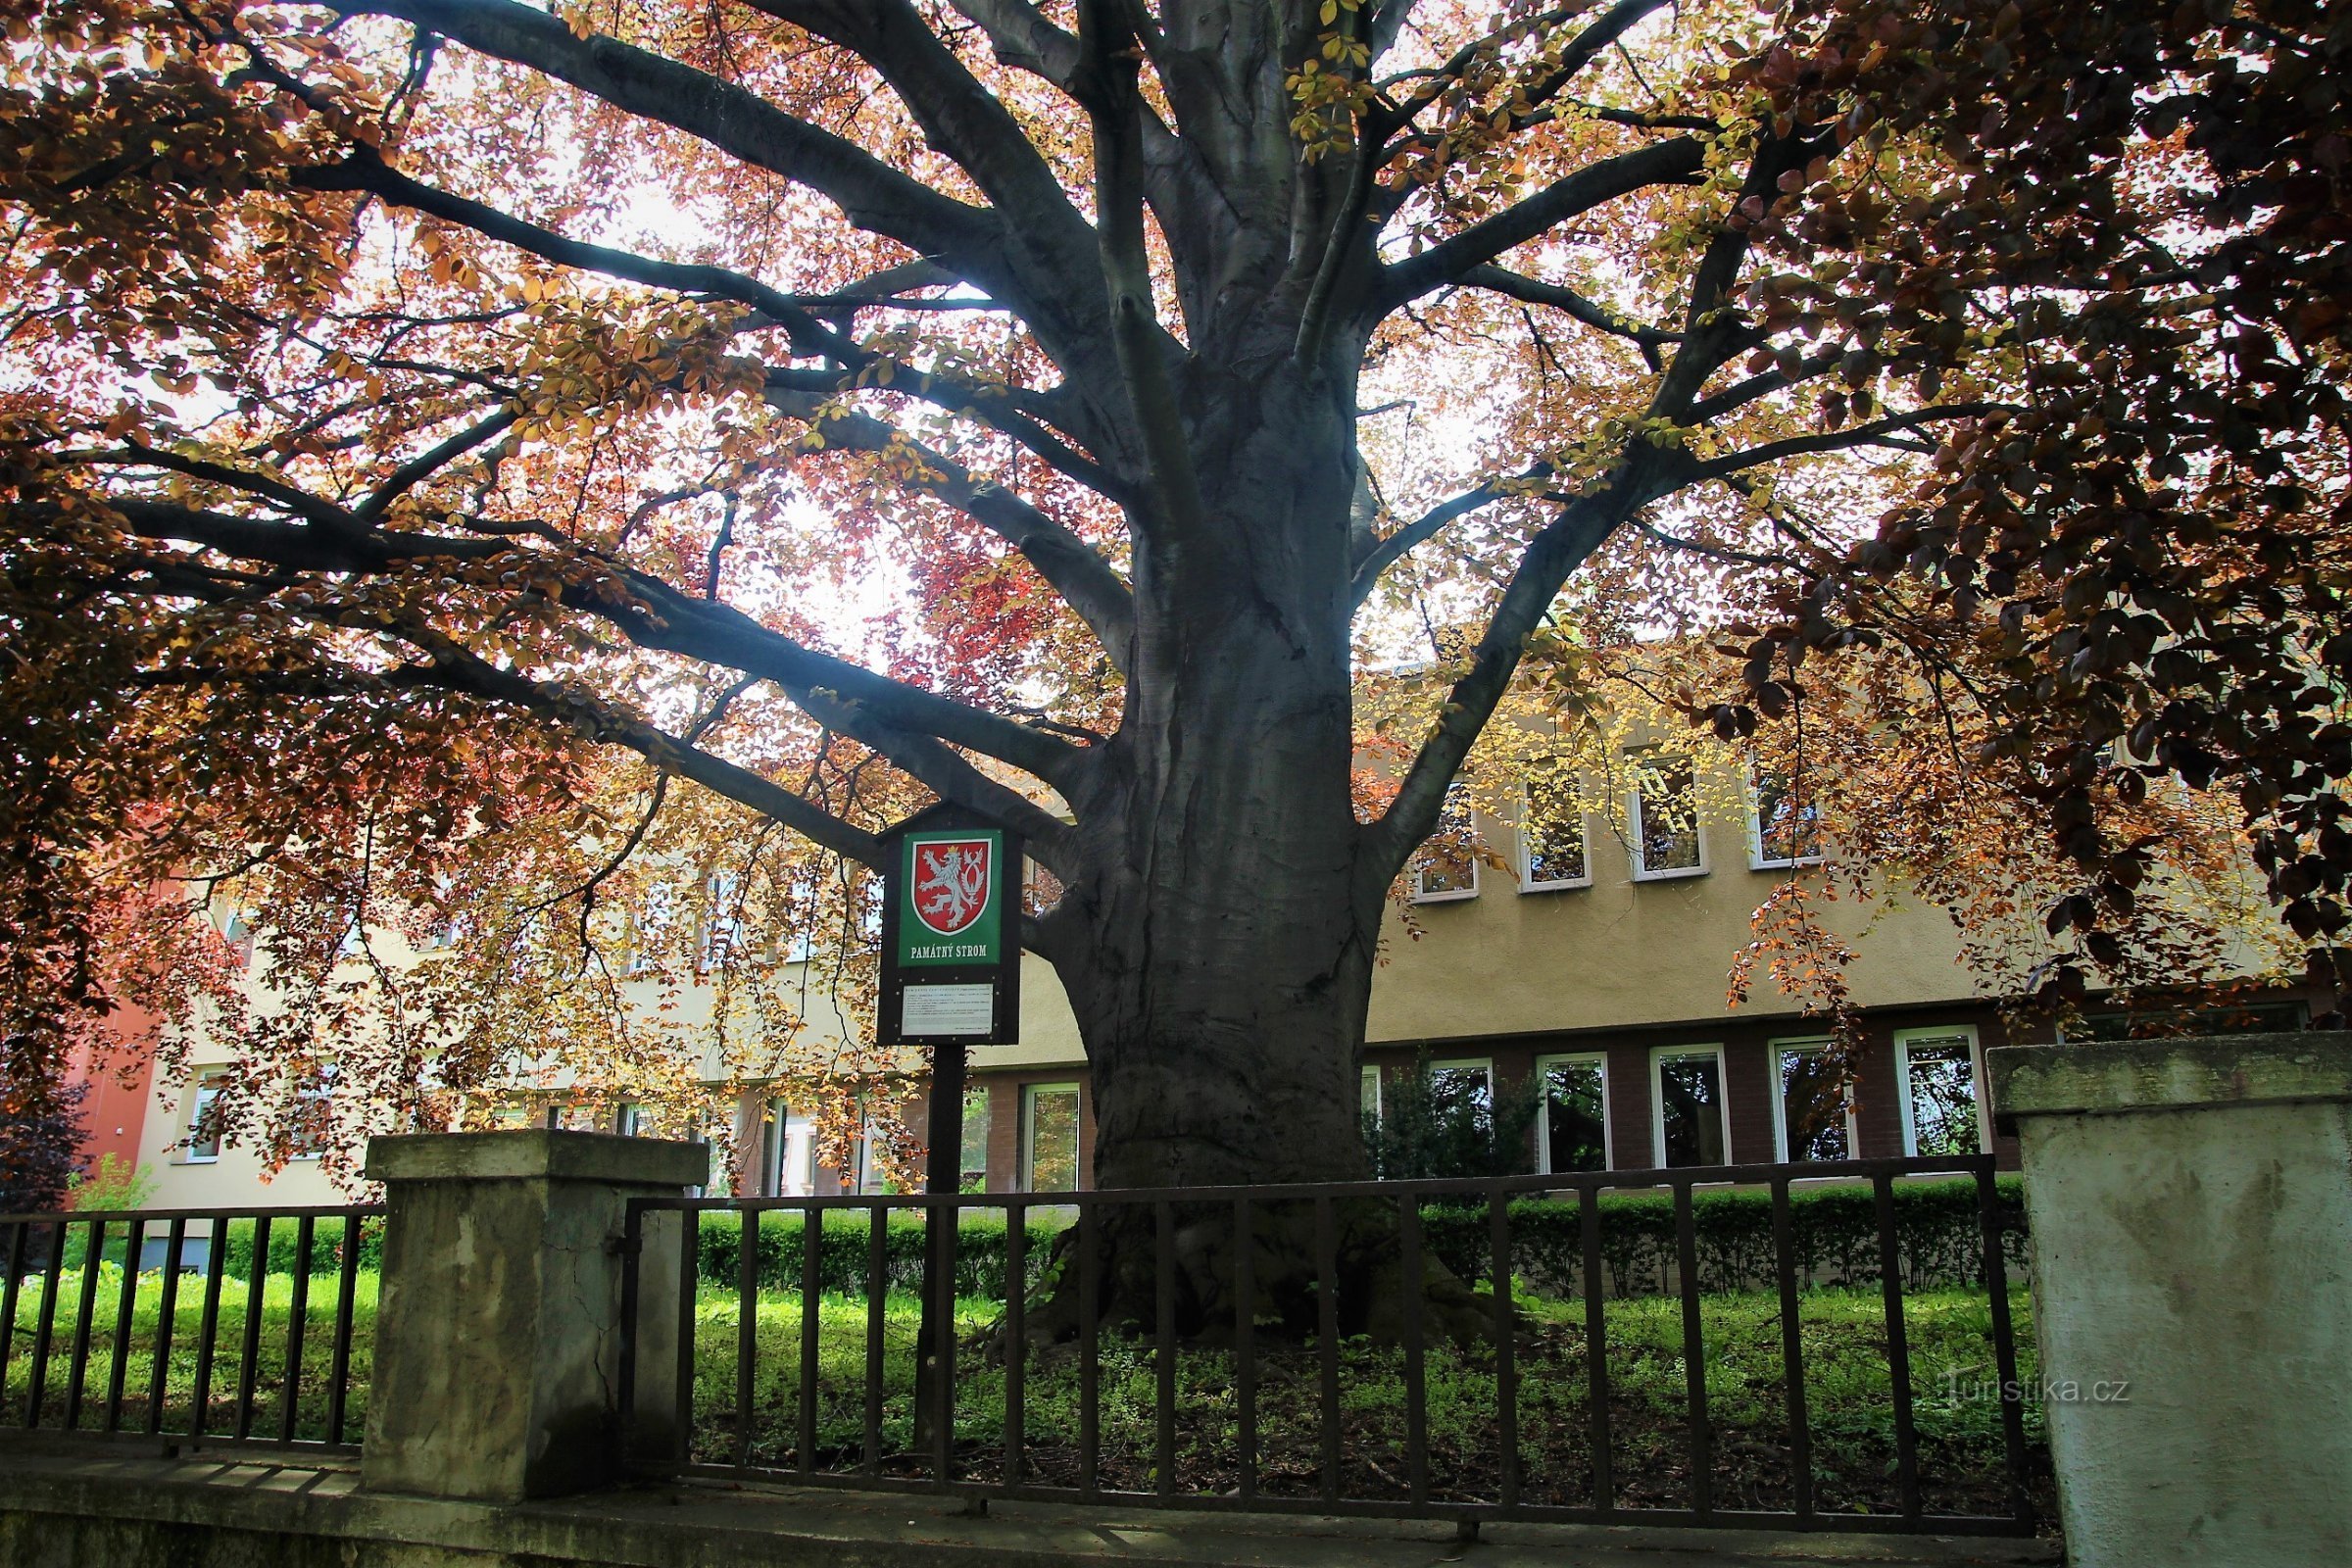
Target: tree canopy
column 1054, row 408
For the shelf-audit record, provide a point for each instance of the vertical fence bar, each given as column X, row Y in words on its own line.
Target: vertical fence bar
column 85, row 1313
column 1327, row 1313
column 1090, row 1369
column 1016, row 1338
column 944, row 1221
column 2004, row 1346
column 126, row 1306
column 812, row 1278
column 689, row 1260
column 298, row 1312
column 44, row 1326
column 347, row 1288
column 1507, row 1348
column 7, row 1296
column 877, row 1324
column 257, row 1285
column 1596, row 1353
column 1163, row 1350
column 208, row 1324
column 159, row 1380
column 1245, row 1342
column 1792, row 1356
column 1695, row 1353
column 1899, row 1349
column 1416, row 1371
column 746, row 1328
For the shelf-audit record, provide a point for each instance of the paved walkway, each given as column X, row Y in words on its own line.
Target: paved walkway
column 65, row 1509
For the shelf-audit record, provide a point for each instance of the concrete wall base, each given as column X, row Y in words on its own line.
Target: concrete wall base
column 2192, row 1212
column 68, row 1512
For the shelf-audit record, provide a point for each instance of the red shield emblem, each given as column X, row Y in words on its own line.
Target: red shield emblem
column 951, row 883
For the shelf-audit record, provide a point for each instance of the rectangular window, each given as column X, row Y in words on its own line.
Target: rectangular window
column 1455, row 1086
column 972, row 1172
column 204, row 1120
column 1573, row 1133
column 1815, row 1121
column 1687, row 1088
column 722, row 920
column 1665, row 817
column 1551, row 833
column 1445, row 867
column 1943, row 1111
column 1049, row 1138
column 787, row 1153
column 628, row 1120
column 1368, row 1096
column 1784, row 824
column 313, row 1120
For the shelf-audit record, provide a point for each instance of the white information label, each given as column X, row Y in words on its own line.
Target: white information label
column 942, row 1011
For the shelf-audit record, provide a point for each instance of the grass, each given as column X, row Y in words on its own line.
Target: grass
column 1842, row 1333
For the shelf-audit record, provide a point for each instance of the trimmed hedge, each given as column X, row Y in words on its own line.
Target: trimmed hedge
column 1833, row 1235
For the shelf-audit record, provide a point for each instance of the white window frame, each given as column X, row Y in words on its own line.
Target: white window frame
column 1633, row 818
column 1903, row 1041
column 1485, row 1064
column 1369, row 1097
column 1525, row 861
column 321, row 1092
column 1608, row 1131
column 1421, row 894
column 1757, row 860
column 196, row 1090
column 1029, row 1094
column 1773, row 1052
column 628, row 1120
column 1658, row 1057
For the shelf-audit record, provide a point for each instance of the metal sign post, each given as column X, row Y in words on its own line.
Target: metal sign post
column 951, row 980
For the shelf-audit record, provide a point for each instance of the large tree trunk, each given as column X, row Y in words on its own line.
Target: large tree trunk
column 1218, row 953
column 1224, row 969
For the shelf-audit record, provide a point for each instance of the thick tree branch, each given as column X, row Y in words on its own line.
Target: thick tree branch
column 1114, row 105
column 1066, row 562
column 648, row 611
column 1644, row 473
column 1531, row 291
column 1386, row 552
column 365, row 171
column 1677, row 162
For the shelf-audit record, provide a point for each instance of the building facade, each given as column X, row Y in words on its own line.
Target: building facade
column 1586, row 959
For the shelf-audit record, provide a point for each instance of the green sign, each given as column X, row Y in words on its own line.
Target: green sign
column 952, row 886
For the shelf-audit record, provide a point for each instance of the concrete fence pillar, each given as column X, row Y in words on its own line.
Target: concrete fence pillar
column 2192, row 1212
column 498, row 1319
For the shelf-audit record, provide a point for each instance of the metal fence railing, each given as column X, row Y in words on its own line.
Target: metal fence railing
column 1469, row 1349
column 198, row 1327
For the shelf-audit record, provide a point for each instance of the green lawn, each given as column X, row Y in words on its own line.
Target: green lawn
column 1843, row 1331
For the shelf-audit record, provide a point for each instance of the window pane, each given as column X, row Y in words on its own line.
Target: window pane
column 1053, row 1139
column 1573, row 1136
column 1943, row 1097
column 1446, row 862
column 1690, row 1108
column 1553, row 831
column 1812, row 1107
column 973, row 1169
column 1786, row 828
column 203, row 1128
column 1458, row 1086
column 1667, row 798
column 1370, row 1093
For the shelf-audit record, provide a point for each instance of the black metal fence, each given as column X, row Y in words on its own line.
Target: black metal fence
column 193, row 1326
column 1340, row 1350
